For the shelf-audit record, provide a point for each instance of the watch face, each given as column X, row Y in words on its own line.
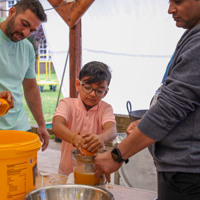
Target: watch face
column 116, row 155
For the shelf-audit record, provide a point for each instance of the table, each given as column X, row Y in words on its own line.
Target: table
column 45, row 178
column 119, row 192
column 129, row 193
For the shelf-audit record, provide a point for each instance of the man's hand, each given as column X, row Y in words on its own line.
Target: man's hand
column 104, row 164
column 44, row 137
column 8, row 97
column 131, row 127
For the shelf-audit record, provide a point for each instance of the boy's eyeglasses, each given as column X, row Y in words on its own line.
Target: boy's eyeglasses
column 88, row 89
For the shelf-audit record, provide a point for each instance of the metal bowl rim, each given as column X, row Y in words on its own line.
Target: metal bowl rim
column 138, row 111
column 110, row 195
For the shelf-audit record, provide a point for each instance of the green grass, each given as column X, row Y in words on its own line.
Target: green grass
column 49, row 100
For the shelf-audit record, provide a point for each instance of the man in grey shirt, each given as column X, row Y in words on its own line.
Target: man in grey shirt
column 171, row 127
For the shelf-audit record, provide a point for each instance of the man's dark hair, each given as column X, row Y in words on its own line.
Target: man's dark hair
column 34, row 5
column 96, row 72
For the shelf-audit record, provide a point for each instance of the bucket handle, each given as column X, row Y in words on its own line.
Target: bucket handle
column 129, row 106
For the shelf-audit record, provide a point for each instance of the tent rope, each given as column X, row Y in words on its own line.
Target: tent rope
column 63, row 75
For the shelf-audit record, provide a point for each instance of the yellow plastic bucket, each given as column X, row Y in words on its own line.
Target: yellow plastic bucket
column 18, row 163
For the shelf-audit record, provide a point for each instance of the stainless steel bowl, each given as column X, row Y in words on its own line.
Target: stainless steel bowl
column 137, row 114
column 70, row 192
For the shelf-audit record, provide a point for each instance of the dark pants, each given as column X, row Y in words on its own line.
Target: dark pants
column 178, row 186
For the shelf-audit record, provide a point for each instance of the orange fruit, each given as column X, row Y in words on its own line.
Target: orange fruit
column 4, row 107
column 87, row 153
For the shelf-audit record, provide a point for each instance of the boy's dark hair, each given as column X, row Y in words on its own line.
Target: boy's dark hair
column 34, row 5
column 96, row 72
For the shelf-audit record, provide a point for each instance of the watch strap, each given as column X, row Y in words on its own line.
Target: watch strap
column 116, row 155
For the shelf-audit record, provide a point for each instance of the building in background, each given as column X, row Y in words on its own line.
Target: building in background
column 5, row 5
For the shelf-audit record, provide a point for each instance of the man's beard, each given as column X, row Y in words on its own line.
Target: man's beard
column 10, row 29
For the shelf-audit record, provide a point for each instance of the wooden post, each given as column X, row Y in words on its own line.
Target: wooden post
column 78, row 9
column 75, row 56
column 71, row 13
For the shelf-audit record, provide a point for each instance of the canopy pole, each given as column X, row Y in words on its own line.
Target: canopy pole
column 75, row 50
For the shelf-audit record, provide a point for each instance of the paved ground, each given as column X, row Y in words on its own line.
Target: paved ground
column 139, row 172
column 49, row 159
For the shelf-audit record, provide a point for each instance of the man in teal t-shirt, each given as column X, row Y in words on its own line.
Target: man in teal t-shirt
column 17, row 67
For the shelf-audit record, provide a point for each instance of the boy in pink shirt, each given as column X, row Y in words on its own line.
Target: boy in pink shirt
column 85, row 122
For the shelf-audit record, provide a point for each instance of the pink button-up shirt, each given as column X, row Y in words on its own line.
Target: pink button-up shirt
column 79, row 120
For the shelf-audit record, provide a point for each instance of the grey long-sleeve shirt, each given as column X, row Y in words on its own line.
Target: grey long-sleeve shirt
column 174, row 121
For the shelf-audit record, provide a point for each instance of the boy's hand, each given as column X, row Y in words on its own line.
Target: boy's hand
column 78, row 142
column 92, row 142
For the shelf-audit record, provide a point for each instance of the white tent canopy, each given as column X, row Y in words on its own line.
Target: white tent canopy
column 134, row 37
column 57, row 36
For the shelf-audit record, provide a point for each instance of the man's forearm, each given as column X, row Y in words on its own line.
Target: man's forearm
column 32, row 96
column 134, row 143
column 36, row 110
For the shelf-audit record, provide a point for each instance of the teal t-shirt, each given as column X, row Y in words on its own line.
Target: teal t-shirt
column 17, row 61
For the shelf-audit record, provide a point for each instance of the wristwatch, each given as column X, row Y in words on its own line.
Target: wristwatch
column 116, row 155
